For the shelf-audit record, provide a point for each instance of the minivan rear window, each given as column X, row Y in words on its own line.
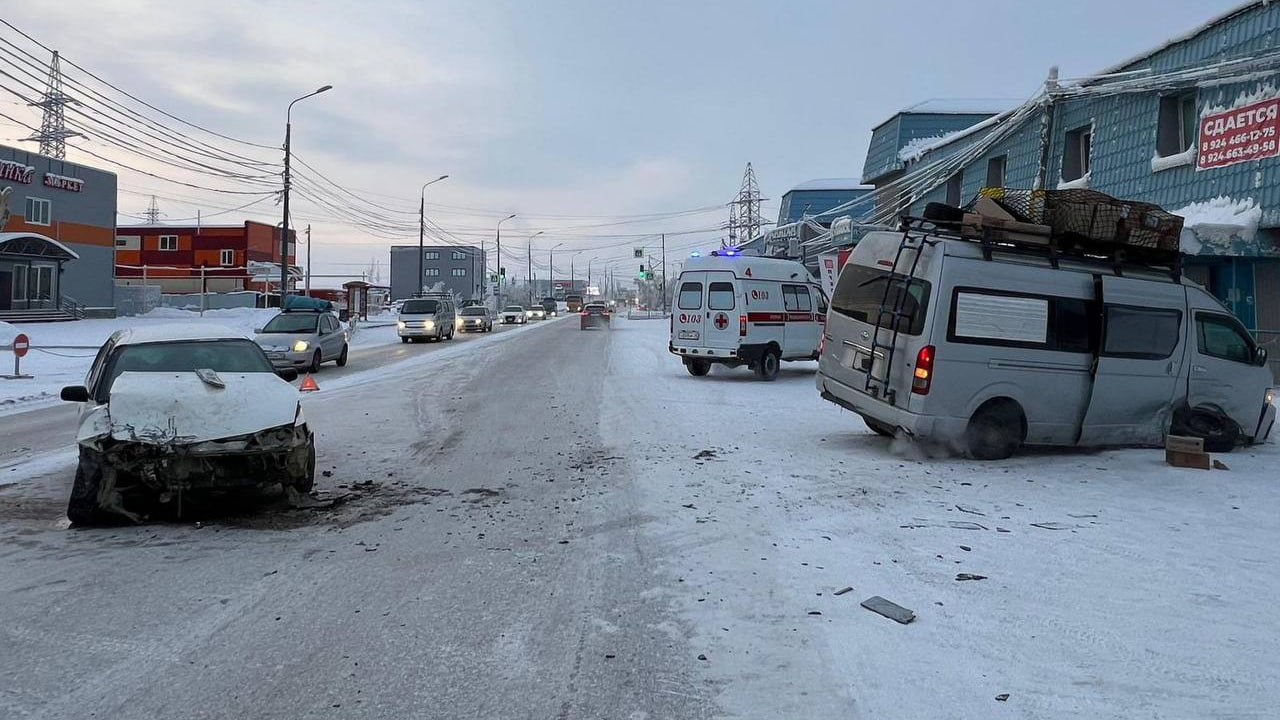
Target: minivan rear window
column 861, row 290
column 690, row 296
column 720, row 296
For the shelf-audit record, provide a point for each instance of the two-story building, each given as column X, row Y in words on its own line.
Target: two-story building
column 202, row 258
column 56, row 245
column 458, row 269
column 1192, row 126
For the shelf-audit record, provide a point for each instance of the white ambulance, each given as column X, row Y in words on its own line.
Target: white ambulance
column 735, row 309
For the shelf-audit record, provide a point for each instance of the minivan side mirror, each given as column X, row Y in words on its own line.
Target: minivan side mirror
column 75, row 393
column 1260, row 357
column 257, row 331
column 287, row 374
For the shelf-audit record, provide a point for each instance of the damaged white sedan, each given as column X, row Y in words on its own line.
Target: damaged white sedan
column 170, row 409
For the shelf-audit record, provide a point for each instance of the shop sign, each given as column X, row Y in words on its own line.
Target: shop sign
column 62, row 182
column 1246, row 133
column 16, row 171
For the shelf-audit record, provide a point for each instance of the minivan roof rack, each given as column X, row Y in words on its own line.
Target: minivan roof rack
column 1082, row 225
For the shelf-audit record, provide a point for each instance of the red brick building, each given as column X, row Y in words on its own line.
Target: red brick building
column 234, row 257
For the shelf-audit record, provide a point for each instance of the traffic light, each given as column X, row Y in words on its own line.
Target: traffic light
column 643, row 274
column 502, row 274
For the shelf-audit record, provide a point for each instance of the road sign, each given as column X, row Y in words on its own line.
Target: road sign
column 639, row 252
column 21, row 344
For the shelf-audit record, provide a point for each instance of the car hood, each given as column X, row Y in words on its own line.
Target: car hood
column 161, row 408
column 280, row 341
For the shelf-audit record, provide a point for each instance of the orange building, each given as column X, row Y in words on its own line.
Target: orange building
column 221, row 258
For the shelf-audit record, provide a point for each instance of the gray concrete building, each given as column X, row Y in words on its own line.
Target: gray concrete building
column 57, row 248
column 454, row 268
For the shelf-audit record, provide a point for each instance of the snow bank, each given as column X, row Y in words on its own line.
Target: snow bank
column 7, row 333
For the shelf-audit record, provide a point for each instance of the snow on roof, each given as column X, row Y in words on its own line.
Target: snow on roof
column 1190, row 34
column 910, row 153
column 961, row 106
column 175, row 332
column 832, row 184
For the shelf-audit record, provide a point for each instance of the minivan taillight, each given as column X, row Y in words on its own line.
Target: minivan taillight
column 742, row 326
column 924, row 371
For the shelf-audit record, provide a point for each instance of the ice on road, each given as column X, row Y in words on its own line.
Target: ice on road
column 557, row 523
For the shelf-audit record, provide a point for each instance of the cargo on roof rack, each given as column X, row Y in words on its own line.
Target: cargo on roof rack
column 1065, row 223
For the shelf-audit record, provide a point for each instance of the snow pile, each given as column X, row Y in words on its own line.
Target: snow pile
column 1080, row 183
column 1266, row 91
column 1216, row 222
column 244, row 320
column 917, row 147
column 1186, row 157
column 7, row 333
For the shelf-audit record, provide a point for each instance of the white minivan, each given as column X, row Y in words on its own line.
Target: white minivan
column 732, row 309
column 987, row 347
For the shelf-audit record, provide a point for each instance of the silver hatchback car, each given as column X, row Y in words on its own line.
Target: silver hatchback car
column 304, row 339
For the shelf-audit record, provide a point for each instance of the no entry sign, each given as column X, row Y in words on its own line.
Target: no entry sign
column 21, row 344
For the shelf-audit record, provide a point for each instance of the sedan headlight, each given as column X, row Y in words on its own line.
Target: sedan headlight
column 301, row 346
column 1271, row 396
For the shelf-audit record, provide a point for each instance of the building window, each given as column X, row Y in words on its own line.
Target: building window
column 431, row 272
column 168, row 242
column 1075, row 153
column 995, row 171
column 459, row 255
column 37, row 211
column 459, row 272
column 955, row 189
column 1178, row 124
column 227, row 258
column 430, row 255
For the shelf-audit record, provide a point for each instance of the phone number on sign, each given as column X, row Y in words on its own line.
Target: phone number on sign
column 1239, row 139
column 1237, row 153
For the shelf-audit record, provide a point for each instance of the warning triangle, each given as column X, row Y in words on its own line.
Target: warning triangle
column 308, row 384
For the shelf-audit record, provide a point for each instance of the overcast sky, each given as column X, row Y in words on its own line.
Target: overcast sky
column 561, row 109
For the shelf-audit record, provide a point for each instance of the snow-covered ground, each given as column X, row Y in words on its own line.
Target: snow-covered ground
column 61, row 353
column 1115, row 586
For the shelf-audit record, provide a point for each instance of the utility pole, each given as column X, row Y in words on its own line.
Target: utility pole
column 307, row 291
column 422, row 228
column 501, row 275
column 551, row 263
column 152, row 213
column 53, row 132
column 664, row 267
column 744, row 211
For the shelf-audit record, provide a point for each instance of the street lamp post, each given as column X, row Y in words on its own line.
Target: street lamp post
column 529, row 253
column 422, row 228
column 551, row 263
column 499, row 266
column 589, row 269
column 572, row 277
column 284, row 227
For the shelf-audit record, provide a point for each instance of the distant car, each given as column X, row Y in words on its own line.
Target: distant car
column 536, row 313
column 573, row 303
column 303, row 339
column 426, row 318
column 595, row 314
column 475, row 318
column 551, row 307
column 170, row 409
column 514, row 315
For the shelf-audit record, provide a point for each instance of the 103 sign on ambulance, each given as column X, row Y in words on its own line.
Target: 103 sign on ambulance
column 1247, row 133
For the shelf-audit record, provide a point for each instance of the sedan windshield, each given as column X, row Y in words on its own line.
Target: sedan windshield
column 292, row 323
column 420, row 307
column 230, row 356
column 474, row 311
column 513, row 308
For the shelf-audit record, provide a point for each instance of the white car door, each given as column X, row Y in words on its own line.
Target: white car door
column 720, row 321
column 803, row 331
column 688, row 321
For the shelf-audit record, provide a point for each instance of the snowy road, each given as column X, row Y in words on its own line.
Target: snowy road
column 560, row 524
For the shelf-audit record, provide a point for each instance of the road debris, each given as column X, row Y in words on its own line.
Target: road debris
column 891, row 610
column 969, row 576
column 1053, row 526
column 1002, row 697
column 843, row 590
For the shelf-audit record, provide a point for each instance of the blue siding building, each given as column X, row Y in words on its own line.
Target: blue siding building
column 1191, row 126
column 813, row 198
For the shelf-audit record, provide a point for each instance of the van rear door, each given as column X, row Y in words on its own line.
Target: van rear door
column 720, row 322
column 687, row 322
column 1139, row 362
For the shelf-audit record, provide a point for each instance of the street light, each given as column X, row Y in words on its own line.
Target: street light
column 529, row 254
column 284, row 227
column 572, row 287
column 509, row 217
column 422, row 227
column 551, row 263
column 589, row 269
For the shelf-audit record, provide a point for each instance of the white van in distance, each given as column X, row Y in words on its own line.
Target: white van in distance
column 733, row 309
column 986, row 346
